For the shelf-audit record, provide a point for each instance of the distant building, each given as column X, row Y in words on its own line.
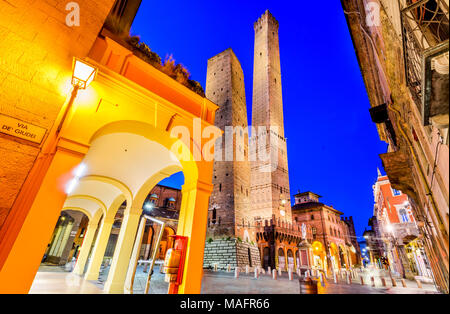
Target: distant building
column 329, row 239
column 398, row 231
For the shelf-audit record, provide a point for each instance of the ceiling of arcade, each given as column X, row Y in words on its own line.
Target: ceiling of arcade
column 117, row 168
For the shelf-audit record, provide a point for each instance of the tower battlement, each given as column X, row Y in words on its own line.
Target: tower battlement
column 267, row 17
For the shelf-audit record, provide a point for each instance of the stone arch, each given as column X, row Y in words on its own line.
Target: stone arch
column 100, row 203
column 290, row 259
column 281, row 257
column 157, row 135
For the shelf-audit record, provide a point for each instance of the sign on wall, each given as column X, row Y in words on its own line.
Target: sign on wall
column 21, row 129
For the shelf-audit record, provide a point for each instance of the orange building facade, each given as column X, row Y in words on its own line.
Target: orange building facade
column 333, row 244
column 108, row 144
column 398, row 232
column 317, row 238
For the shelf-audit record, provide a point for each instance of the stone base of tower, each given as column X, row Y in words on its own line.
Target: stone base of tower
column 233, row 252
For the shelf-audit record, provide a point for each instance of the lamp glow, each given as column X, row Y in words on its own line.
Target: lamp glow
column 148, row 206
column 80, row 170
column 72, row 185
column 389, row 228
column 82, row 73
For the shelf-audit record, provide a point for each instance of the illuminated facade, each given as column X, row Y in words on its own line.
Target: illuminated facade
column 316, row 238
column 398, row 231
column 109, row 143
column 333, row 243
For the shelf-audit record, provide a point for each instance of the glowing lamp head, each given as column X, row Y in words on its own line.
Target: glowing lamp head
column 389, row 228
column 148, row 206
column 82, row 73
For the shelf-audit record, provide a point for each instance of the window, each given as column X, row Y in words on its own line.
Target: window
column 396, row 192
column 403, row 215
column 312, row 217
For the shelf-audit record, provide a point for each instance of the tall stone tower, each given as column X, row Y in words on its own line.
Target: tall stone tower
column 269, row 179
column 229, row 241
column 229, row 201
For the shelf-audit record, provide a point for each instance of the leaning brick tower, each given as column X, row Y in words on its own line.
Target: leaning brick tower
column 228, row 235
column 229, row 200
column 269, row 179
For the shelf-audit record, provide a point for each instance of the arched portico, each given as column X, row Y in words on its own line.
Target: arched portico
column 319, row 255
column 126, row 150
column 334, row 254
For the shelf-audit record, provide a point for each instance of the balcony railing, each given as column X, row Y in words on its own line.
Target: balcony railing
column 425, row 36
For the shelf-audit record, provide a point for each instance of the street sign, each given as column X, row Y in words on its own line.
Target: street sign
column 21, row 129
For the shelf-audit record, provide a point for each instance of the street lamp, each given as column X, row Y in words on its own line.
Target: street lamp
column 148, row 206
column 83, row 74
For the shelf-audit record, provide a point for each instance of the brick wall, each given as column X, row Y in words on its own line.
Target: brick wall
column 229, row 201
column 36, row 51
column 232, row 252
column 268, row 188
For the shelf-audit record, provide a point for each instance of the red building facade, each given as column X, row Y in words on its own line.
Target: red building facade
column 333, row 242
column 398, row 231
column 316, row 238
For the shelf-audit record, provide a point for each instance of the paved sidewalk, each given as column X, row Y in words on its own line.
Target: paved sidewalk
column 57, row 282
column 225, row 283
column 54, row 281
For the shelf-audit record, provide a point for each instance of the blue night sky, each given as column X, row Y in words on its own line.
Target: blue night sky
column 332, row 144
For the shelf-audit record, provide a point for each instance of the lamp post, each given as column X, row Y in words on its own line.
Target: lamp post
column 83, row 74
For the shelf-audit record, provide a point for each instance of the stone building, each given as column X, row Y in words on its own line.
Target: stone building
column 247, row 189
column 398, row 231
column 374, row 243
column 67, row 238
column 403, row 51
column 332, row 244
column 162, row 203
column 284, row 245
column 229, row 203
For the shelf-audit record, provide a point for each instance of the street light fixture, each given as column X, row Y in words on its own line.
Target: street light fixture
column 83, row 74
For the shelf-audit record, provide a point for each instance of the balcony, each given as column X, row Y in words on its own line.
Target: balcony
column 405, row 232
column 425, row 42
